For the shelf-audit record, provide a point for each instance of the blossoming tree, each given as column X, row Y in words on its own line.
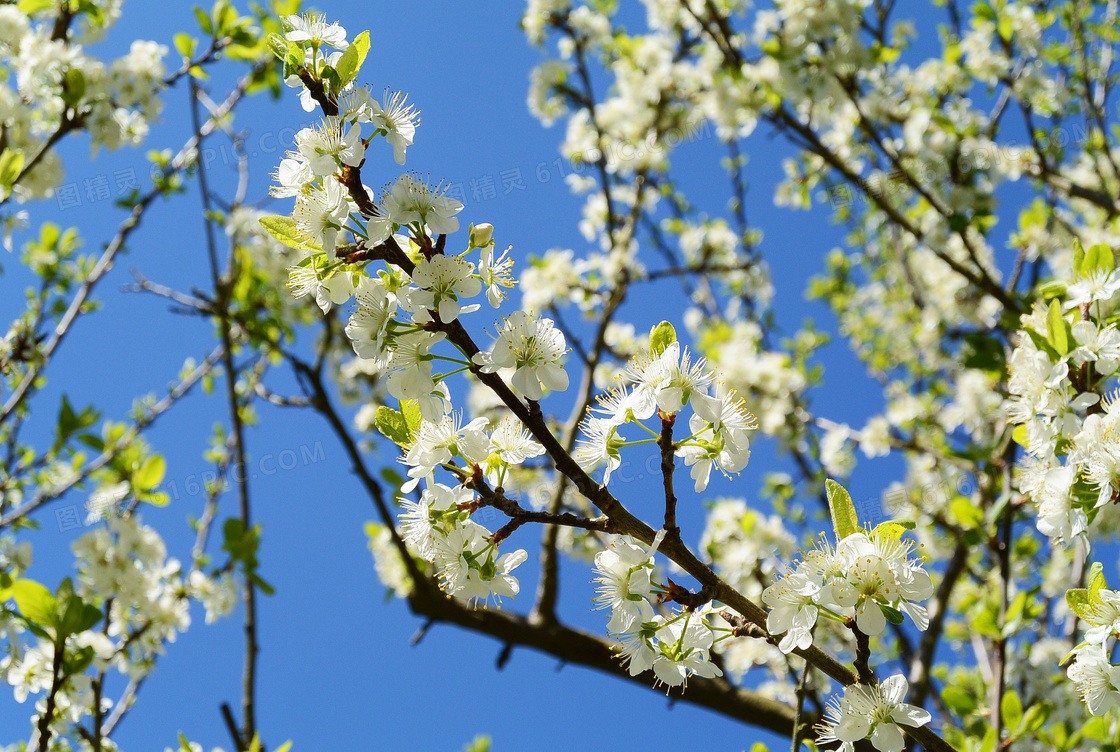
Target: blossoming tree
column 974, row 615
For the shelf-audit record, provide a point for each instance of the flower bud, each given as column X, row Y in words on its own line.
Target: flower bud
column 481, row 235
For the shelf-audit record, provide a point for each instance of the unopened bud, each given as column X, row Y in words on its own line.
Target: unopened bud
column 481, row 234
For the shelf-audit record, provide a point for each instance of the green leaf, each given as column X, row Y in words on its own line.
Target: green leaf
column 990, row 739
column 1097, row 582
column 277, row 45
column 1078, row 601
column 203, row 20
column 77, row 616
column 960, row 702
column 351, row 61
column 1098, row 259
column 982, row 351
column 1034, row 718
column 1078, row 255
column 1057, row 328
column 1043, row 344
column 1052, row 289
column 34, row 6
column 966, row 514
column 11, row 165
column 893, row 528
column 1011, row 709
column 393, row 425
column 150, row 473
column 261, row 584
column 78, row 661
column 410, row 409
column 1005, row 27
column 35, row 602
column 157, row 499
column 1097, row 728
column 894, row 616
column 284, row 229
column 480, row 743
column 185, row 44
column 844, row 520
column 660, row 337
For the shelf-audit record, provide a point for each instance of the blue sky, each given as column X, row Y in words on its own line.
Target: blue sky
column 336, row 669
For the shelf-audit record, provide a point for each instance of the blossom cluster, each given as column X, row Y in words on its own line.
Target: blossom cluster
column 675, row 646
column 123, row 564
column 404, row 310
column 871, row 711
column 869, row 576
column 1067, row 355
column 1093, row 673
column 53, row 84
column 665, row 383
column 438, row 527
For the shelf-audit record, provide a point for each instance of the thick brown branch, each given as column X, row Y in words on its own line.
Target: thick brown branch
column 574, row 646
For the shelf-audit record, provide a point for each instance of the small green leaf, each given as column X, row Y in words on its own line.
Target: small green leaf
column 261, row 584
column 1078, row 601
column 35, row 602
column 410, row 409
column 1011, row 709
column 982, row 351
column 844, row 519
column 1097, row 582
column 1057, row 328
column 150, row 474
column 966, row 514
column 351, row 61
column 480, row 743
column 1043, row 344
column 1053, row 289
column 660, row 337
column 77, row 616
column 284, row 229
column 277, row 45
column 34, row 6
column 157, row 499
column 1034, row 718
column 203, row 20
column 11, row 165
column 893, row 528
column 894, row 616
column 1098, row 259
column 78, row 661
column 990, row 739
column 185, row 44
column 1097, row 729
column 393, row 425
column 959, row 701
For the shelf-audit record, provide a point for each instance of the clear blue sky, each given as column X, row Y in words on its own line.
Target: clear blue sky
column 336, row 670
